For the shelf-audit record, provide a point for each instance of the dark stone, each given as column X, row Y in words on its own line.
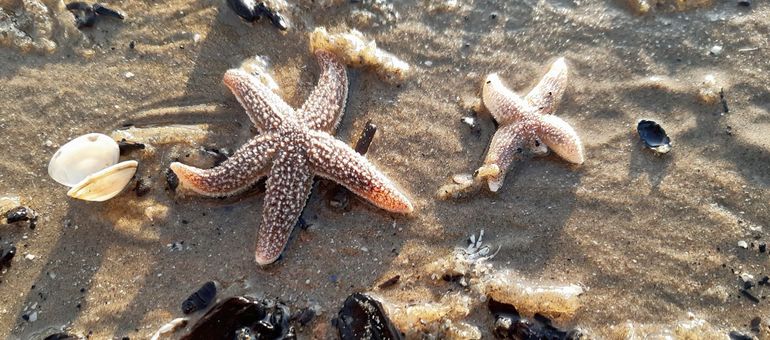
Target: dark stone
column 304, row 316
column 744, row 3
column 762, row 247
column 141, row 188
column 764, row 281
column 264, row 319
column 755, row 323
column 200, row 299
column 362, row 317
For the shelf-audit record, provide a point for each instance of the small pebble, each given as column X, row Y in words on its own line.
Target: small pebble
column 129, row 75
column 33, row 316
column 743, row 244
column 755, row 322
column 716, row 50
column 762, row 247
column 744, row 3
column 29, row 257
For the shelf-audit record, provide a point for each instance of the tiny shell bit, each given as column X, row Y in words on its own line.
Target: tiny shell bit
column 87, row 164
column 81, row 157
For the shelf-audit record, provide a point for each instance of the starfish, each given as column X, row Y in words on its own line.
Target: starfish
column 526, row 126
column 292, row 146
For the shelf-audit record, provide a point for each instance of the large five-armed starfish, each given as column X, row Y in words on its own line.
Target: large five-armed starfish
column 292, row 147
column 526, row 124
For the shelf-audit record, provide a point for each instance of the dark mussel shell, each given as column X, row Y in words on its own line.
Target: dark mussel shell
column 6, row 255
column 263, row 319
column 106, row 11
column 510, row 325
column 653, row 136
column 362, row 317
column 245, row 9
column 200, row 299
column 20, row 214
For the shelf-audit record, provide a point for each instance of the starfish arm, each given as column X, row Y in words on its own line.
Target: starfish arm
column 560, row 137
column 234, row 175
column 323, row 108
column 504, row 105
column 506, row 146
column 546, row 95
column 288, row 188
column 335, row 160
column 266, row 109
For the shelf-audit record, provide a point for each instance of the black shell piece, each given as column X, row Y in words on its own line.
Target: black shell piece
column 263, row 319
column 510, row 325
column 106, row 11
column 389, row 282
column 126, row 146
column 367, row 135
column 6, row 255
column 275, row 18
column 171, row 180
column 83, row 12
column 244, row 8
column 200, row 299
column 19, row 214
column 653, row 136
column 362, row 317
column 61, row 336
column 251, row 10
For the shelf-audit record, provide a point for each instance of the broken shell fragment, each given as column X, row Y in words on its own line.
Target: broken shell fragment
column 81, row 157
column 104, row 184
column 653, row 136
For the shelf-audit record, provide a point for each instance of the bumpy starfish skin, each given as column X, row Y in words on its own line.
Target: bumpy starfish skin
column 291, row 148
column 526, row 123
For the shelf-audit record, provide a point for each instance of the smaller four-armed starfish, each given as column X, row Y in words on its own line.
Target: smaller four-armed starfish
column 292, row 147
column 526, row 126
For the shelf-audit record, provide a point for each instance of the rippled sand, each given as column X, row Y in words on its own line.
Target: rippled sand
column 651, row 238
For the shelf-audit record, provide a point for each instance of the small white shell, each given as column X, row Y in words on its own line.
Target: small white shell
column 104, row 184
column 81, row 157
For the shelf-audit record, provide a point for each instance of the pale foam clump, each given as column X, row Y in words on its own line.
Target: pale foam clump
column 693, row 328
column 357, row 51
column 469, row 267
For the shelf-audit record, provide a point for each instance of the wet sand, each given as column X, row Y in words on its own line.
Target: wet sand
column 650, row 237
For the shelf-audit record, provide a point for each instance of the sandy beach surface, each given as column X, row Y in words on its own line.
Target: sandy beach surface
column 652, row 239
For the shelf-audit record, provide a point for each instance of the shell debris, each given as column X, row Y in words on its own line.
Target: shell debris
column 357, row 51
column 89, row 165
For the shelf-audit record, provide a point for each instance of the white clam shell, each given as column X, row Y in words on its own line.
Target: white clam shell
column 104, row 184
column 81, row 157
